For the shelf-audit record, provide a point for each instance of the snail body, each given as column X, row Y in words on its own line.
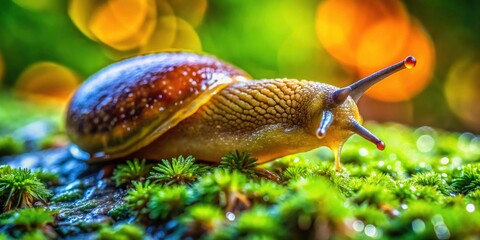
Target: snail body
column 168, row 104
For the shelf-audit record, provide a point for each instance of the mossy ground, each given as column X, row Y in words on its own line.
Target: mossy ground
column 425, row 185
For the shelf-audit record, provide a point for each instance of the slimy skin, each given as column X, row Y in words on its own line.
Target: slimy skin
column 269, row 118
column 163, row 105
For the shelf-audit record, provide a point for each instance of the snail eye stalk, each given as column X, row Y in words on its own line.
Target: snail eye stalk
column 365, row 133
column 356, row 89
column 325, row 122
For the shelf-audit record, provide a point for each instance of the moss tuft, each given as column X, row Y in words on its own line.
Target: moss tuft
column 468, row 181
column 132, row 171
column 169, row 202
column 239, row 161
column 177, row 171
column 20, row 188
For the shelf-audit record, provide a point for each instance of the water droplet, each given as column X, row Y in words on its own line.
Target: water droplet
column 418, row 225
column 230, row 216
column 363, row 152
column 358, row 225
column 442, row 231
column 410, row 62
column 444, row 160
column 425, row 143
column 475, row 145
column 470, row 207
column 78, row 153
column 370, row 230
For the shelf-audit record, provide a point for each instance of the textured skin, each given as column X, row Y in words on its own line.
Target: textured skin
column 269, row 118
column 128, row 104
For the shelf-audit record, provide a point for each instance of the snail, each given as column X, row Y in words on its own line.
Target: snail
column 167, row 104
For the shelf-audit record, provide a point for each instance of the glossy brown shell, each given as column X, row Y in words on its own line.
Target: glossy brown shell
column 129, row 104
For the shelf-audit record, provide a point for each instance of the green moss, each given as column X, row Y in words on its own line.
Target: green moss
column 177, row 171
column 375, row 195
column 257, row 223
column 433, row 180
column 239, row 161
column 20, row 188
column 10, row 146
column 121, row 211
column 222, row 187
column 3, row 236
column 138, row 197
column 468, row 181
column 47, row 178
column 30, row 223
column 370, row 215
column 68, row 196
column 86, row 206
column 169, row 202
column 314, row 203
column 201, row 220
column 398, row 193
column 121, row 232
column 34, row 235
column 132, row 171
column 264, row 192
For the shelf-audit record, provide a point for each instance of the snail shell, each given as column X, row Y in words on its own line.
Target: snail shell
column 128, row 104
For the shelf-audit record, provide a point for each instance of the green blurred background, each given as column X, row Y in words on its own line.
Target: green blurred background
column 48, row 47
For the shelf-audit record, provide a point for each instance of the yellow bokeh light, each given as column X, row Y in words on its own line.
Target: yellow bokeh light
column 80, row 12
column 462, row 90
column 47, row 82
column 190, row 11
column 132, row 27
column 163, row 36
column 406, row 84
column 173, row 33
column 124, row 24
column 186, row 37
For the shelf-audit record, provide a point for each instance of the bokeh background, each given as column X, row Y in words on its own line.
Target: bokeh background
column 48, row 47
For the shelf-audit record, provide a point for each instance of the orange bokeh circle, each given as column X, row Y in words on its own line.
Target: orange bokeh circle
column 47, row 81
column 405, row 84
column 341, row 23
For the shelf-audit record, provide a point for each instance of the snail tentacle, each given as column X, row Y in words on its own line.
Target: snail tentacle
column 365, row 133
column 325, row 122
column 356, row 89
